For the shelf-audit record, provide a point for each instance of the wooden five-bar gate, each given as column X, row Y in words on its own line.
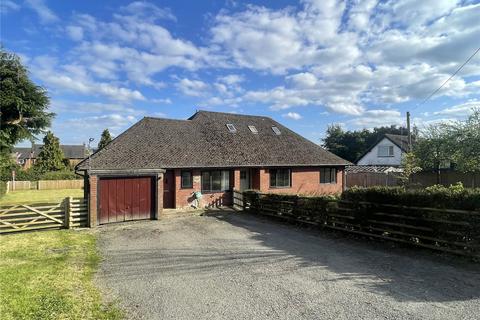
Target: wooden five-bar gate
column 69, row 213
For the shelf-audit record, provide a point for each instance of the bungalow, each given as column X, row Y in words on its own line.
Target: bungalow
column 166, row 163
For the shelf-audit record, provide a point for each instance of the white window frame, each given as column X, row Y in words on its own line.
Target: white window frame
column 253, row 129
column 231, row 127
column 276, row 130
column 385, row 151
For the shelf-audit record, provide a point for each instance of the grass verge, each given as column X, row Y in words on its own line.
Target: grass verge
column 28, row 196
column 49, row 275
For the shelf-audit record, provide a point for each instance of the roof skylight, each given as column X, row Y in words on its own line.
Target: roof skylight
column 253, row 129
column 276, row 130
column 231, row 127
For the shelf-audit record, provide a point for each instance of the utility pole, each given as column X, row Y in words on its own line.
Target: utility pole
column 409, row 132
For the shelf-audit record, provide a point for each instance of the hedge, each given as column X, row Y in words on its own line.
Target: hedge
column 3, row 188
column 453, row 197
column 32, row 175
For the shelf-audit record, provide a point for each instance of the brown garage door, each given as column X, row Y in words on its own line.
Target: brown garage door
column 126, row 198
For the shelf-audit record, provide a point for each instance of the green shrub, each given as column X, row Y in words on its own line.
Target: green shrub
column 3, row 188
column 59, row 175
column 453, row 197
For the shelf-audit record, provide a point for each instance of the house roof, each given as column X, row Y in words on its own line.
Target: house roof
column 69, row 151
column 204, row 140
column 400, row 141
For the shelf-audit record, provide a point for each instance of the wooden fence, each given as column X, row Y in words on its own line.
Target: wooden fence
column 69, row 213
column 370, row 179
column 423, row 179
column 237, row 199
column 454, row 231
column 44, row 185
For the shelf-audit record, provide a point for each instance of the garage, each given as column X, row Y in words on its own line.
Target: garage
column 125, row 199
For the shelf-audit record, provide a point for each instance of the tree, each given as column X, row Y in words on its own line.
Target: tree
column 351, row 145
column 410, row 165
column 104, row 139
column 434, row 147
column 23, row 104
column 51, row 156
column 465, row 135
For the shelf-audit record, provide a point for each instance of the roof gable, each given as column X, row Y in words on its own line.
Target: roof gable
column 204, row 141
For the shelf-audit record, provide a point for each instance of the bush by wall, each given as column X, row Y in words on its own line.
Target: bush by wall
column 34, row 175
column 453, row 197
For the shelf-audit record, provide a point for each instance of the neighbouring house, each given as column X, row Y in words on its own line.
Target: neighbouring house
column 388, row 151
column 161, row 163
column 26, row 157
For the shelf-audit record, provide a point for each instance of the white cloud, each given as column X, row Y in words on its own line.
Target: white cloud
column 8, row 6
column 148, row 11
column 377, row 117
column 292, row 115
column 460, row 110
column 75, row 33
column 75, row 78
column 189, row 87
column 44, row 13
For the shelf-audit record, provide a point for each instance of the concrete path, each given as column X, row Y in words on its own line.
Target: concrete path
column 237, row 266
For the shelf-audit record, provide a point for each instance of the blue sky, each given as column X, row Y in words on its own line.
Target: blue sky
column 307, row 64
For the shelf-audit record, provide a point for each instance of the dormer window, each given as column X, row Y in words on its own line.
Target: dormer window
column 253, row 129
column 385, row 151
column 231, row 127
column 276, row 130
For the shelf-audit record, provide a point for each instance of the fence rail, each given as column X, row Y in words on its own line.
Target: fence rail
column 69, row 213
column 44, row 185
column 449, row 230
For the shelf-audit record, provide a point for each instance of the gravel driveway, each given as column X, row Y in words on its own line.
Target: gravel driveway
column 238, row 266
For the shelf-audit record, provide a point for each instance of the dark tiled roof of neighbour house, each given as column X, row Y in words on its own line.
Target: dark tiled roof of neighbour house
column 399, row 140
column 204, row 141
column 69, row 151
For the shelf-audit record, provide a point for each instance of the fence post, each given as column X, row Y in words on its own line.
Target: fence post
column 68, row 212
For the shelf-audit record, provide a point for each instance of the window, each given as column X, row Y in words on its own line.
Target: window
column 218, row 180
column 385, row 151
column 276, row 130
column 328, row 175
column 231, row 127
column 280, row 178
column 186, row 180
column 253, row 129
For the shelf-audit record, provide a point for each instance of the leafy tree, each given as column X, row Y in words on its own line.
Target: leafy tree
column 434, row 146
column 465, row 137
column 351, row 145
column 23, row 104
column 51, row 156
column 410, row 165
column 104, row 139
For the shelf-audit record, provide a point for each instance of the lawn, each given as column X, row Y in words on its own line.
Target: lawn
column 48, row 275
column 27, row 196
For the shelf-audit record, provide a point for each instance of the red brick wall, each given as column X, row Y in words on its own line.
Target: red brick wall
column 92, row 203
column 304, row 181
column 184, row 198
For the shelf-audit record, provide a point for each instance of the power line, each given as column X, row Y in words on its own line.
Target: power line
column 450, row 78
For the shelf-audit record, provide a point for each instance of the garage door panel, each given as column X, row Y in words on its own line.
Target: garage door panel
column 128, row 201
column 126, row 198
column 104, row 190
column 120, row 186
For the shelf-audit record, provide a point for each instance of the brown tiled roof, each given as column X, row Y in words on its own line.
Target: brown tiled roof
column 204, row 141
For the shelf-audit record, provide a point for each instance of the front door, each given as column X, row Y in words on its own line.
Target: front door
column 168, row 189
column 245, row 179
